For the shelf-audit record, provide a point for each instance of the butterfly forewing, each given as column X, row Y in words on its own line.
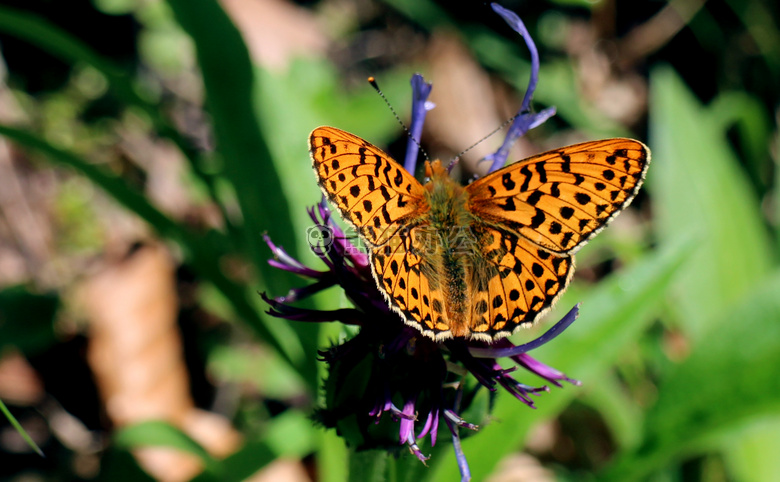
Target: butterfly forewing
column 370, row 190
column 561, row 198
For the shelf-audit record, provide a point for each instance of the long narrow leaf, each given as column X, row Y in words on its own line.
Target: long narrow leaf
column 231, row 90
column 696, row 183
column 15, row 423
column 156, row 433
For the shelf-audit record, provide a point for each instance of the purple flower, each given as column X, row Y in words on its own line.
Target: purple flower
column 525, row 120
column 390, row 386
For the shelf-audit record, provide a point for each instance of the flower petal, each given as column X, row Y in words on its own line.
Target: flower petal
column 420, row 107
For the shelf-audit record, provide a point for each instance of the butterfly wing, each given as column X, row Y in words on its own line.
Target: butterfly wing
column 383, row 201
column 372, row 191
column 560, row 199
column 517, row 283
column 406, row 274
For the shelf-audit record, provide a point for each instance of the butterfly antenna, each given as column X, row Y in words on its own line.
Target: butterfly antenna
column 506, row 123
column 372, row 81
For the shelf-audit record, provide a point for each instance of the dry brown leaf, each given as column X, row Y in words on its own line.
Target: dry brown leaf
column 521, row 468
column 275, row 30
column 281, row 470
column 136, row 355
column 19, row 383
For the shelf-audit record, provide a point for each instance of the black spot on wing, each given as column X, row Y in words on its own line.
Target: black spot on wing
column 582, row 198
column 506, row 180
column 538, row 218
column 534, row 198
column 354, row 191
column 527, row 180
column 542, row 173
column 566, row 212
column 398, row 179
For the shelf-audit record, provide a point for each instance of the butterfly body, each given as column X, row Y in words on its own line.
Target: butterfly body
column 481, row 260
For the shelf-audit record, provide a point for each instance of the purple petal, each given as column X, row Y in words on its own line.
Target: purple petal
column 347, row 316
column 427, row 426
column 420, row 107
column 306, row 291
column 525, row 120
column 518, row 26
column 548, row 373
column 504, row 350
column 434, row 427
column 523, row 123
column 406, row 431
column 288, row 263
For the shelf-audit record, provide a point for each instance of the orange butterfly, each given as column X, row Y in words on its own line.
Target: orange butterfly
column 481, row 260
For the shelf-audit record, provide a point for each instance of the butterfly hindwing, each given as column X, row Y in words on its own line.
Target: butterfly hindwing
column 561, row 198
column 518, row 283
column 404, row 274
column 371, row 191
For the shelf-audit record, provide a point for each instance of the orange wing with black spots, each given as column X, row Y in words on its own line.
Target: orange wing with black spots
column 560, row 199
column 383, row 201
column 406, row 273
column 518, row 283
column 371, row 191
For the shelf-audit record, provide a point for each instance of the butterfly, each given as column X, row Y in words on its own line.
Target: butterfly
column 481, row 260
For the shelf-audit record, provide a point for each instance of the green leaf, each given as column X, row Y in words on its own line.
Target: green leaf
column 696, row 183
column 20, row 429
column 231, row 90
column 291, row 434
column 332, row 457
column 241, row 465
column 621, row 414
column 613, row 315
column 752, row 121
column 231, row 96
column 155, row 433
column 120, row 466
column 729, row 378
column 751, row 452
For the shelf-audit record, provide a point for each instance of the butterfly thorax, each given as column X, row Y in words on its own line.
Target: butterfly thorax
column 447, row 235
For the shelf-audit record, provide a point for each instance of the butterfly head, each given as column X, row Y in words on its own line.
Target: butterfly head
column 435, row 169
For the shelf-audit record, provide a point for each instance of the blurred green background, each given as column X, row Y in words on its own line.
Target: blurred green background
column 130, row 127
